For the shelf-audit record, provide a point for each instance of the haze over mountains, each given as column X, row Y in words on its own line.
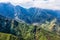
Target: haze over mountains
column 31, row 15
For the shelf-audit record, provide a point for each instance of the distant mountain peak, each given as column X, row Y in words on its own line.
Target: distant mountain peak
column 31, row 15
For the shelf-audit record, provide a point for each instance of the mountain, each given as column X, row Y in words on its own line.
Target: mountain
column 36, row 15
column 47, row 28
column 7, row 10
column 31, row 15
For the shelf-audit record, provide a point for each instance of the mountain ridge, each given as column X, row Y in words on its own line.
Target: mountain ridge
column 31, row 15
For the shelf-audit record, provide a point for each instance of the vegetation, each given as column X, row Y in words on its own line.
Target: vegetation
column 44, row 31
column 5, row 36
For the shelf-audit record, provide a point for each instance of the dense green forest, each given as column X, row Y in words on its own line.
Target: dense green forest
column 24, row 31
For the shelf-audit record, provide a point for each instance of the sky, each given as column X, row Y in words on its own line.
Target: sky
column 46, row 4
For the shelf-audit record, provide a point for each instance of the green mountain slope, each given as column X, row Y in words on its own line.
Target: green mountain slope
column 31, row 32
column 23, row 31
column 5, row 36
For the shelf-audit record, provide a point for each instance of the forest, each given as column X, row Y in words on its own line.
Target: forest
column 23, row 31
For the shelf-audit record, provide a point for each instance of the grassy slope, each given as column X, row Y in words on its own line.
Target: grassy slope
column 49, row 35
column 5, row 36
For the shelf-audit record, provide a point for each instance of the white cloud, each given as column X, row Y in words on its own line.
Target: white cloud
column 49, row 4
column 4, row 0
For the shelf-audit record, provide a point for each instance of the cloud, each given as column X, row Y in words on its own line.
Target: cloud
column 4, row 0
column 47, row 4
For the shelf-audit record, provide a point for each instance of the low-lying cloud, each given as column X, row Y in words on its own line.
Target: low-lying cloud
column 46, row 4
